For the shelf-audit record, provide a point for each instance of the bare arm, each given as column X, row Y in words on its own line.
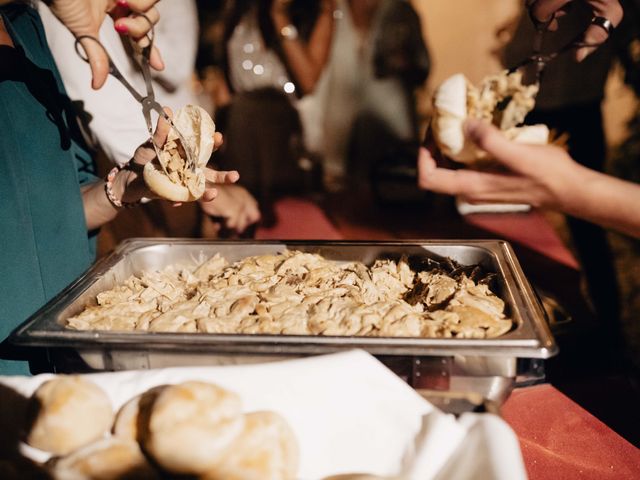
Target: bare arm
column 306, row 60
column 542, row 176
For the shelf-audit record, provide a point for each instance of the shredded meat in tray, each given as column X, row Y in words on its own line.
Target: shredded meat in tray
column 300, row 293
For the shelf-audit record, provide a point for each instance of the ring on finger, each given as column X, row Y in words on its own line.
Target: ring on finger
column 603, row 22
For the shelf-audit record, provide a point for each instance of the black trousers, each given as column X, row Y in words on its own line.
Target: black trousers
column 587, row 146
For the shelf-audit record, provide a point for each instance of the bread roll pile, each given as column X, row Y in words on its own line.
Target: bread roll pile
column 193, row 428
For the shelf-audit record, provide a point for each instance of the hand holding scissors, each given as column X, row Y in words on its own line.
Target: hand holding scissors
column 84, row 18
column 607, row 14
column 141, row 56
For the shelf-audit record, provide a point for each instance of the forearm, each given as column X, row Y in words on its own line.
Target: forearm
column 98, row 209
column 604, row 200
column 307, row 61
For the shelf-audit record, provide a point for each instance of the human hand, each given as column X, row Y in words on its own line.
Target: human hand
column 84, row 17
column 594, row 35
column 538, row 175
column 134, row 188
column 237, row 208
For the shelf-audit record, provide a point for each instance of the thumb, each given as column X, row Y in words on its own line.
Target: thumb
column 491, row 140
column 162, row 129
column 98, row 60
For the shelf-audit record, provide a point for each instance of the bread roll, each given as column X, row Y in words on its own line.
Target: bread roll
column 191, row 425
column 266, row 449
column 182, row 184
column 359, row 476
column 107, row 459
column 501, row 99
column 132, row 420
column 66, row 413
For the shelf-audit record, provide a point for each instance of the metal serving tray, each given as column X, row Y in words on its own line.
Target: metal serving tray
column 99, row 350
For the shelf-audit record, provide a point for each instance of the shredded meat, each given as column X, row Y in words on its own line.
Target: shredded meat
column 300, row 294
column 502, row 99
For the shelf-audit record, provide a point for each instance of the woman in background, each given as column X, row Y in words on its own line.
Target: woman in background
column 367, row 97
column 274, row 54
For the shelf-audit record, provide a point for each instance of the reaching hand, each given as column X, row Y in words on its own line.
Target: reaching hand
column 237, row 208
column 84, row 17
column 535, row 174
column 594, row 35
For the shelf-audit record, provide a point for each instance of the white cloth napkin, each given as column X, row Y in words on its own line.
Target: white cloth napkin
column 348, row 411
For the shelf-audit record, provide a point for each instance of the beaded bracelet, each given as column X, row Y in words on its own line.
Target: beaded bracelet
column 108, row 189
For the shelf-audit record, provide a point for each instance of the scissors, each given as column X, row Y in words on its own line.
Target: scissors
column 539, row 59
column 148, row 101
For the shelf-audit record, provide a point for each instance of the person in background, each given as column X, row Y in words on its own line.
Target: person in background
column 274, row 53
column 367, row 105
column 52, row 202
column 112, row 121
column 569, row 102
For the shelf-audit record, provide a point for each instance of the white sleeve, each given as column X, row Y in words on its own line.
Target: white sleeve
column 176, row 36
column 116, row 119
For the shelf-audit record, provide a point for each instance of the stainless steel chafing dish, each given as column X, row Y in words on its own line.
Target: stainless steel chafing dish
column 484, row 365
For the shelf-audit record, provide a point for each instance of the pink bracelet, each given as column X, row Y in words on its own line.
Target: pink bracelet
column 108, row 186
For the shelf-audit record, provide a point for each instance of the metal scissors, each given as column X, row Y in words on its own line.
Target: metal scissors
column 539, row 59
column 149, row 103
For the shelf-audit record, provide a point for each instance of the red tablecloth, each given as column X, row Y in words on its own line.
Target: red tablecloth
column 299, row 219
column 561, row 440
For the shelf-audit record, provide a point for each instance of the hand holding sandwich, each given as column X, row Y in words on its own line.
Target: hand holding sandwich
column 129, row 187
column 540, row 175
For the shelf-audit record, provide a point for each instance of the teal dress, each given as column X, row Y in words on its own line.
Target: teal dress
column 44, row 242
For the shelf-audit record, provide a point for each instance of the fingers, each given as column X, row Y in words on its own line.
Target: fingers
column 210, row 194
column 248, row 215
column 515, row 156
column 478, row 187
column 543, row 10
column 595, row 34
column 137, row 26
column 162, row 129
column 426, row 165
column 215, row 176
column 138, row 5
column 98, row 61
column 218, row 141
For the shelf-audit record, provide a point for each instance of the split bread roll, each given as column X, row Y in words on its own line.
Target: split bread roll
column 67, row 413
column 266, row 449
column 107, row 459
column 182, row 184
column 191, row 426
column 500, row 99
